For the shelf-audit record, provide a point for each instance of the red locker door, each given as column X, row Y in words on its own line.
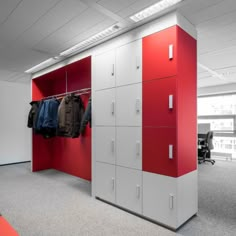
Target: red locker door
column 159, row 151
column 159, row 54
column 159, row 102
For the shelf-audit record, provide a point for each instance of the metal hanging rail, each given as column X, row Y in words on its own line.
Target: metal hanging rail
column 77, row 92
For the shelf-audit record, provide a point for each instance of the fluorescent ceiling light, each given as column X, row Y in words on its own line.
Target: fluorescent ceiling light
column 103, row 34
column 40, row 65
column 157, row 7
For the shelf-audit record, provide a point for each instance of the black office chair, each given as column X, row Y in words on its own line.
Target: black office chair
column 204, row 153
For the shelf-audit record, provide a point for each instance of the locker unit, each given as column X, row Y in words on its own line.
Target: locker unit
column 170, row 201
column 129, row 63
column 129, row 147
column 105, row 181
column 105, row 146
column 159, row 150
column 150, row 109
column 105, row 107
column 105, row 70
column 129, row 105
column 160, row 54
column 159, row 102
column 129, row 193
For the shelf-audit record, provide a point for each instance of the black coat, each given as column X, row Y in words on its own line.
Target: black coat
column 33, row 114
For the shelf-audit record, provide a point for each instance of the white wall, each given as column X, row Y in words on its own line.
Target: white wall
column 15, row 137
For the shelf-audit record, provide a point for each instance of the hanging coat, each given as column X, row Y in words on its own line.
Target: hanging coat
column 87, row 117
column 47, row 121
column 33, row 114
column 70, row 114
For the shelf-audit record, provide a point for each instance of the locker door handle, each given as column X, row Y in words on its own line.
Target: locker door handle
column 113, row 69
column 170, row 151
column 171, row 98
column 171, row 201
column 113, row 183
column 113, row 107
column 112, row 145
column 171, row 51
column 137, row 105
column 137, row 62
column 138, row 191
column 138, row 148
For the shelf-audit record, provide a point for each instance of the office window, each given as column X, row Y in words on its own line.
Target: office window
column 219, row 112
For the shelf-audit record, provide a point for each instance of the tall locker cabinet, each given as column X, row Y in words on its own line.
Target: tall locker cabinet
column 118, row 126
column 145, row 153
column 169, row 127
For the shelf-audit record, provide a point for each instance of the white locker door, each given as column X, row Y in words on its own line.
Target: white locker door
column 129, row 63
column 129, row 189
column 159, row 198
column 104, row 70
column 105, row 181
column 129, row 147
column 104, row 107
column 105, row 144
column 129, row 105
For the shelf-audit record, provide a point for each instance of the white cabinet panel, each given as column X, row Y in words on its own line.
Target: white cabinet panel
column 104, row 72
column 160, row 198
column 105, row 144
column 129, row 63
column 105, row 107
column 187, row 196
column 129, row 189
column 129, row 105
column 129, row 147
column 105, row 181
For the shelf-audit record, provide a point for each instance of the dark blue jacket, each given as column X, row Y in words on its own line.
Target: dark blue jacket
column 47, row 121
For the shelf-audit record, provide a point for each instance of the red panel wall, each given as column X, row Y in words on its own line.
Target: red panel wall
column 187, row 103
column 79, row 74
column 162, row 126
column 72, row 156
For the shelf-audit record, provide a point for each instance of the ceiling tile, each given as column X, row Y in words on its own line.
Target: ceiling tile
column 219, row 59
column 80, row 24
column 116, row 5
column 7, row 7
column 135, row 7
column 56, row 18
column 26, row 14
column 86, row 34
column 218, row 9
column 6, row 74
column 211, row 81
column 193, row 7
column 217, row 23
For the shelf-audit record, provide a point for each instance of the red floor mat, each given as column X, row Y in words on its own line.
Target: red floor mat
column 6, row 229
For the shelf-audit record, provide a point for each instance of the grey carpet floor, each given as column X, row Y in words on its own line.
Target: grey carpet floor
column 51, row 203
column 216, row 201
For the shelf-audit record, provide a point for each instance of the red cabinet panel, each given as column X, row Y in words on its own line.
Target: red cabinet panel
column 156, row 142
column 156, row 96
column 156, row 61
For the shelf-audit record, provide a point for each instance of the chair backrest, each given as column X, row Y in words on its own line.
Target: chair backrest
column 209, row 140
